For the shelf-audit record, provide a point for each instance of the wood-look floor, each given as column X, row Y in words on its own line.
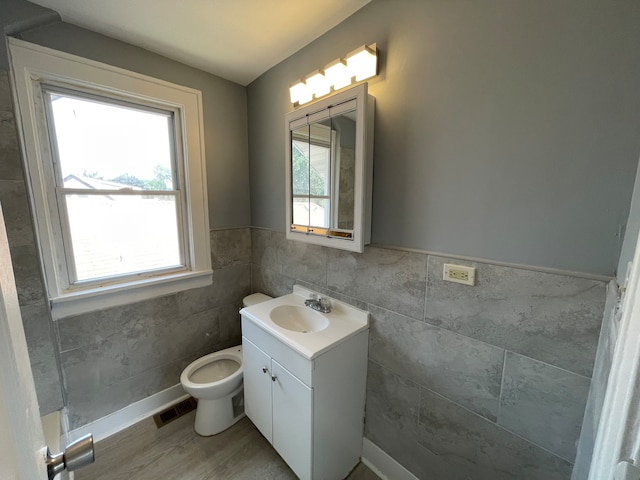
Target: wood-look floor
column 176, row 452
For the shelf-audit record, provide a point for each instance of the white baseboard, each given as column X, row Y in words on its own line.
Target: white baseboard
column 131, row 414
column 382, row 464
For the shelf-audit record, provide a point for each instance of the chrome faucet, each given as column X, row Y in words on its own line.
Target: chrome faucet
column 322, row 305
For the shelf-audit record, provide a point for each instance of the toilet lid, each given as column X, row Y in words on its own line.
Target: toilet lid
column 214, row 371
column 255, row 298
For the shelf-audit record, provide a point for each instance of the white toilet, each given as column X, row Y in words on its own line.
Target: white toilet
column 216, row 381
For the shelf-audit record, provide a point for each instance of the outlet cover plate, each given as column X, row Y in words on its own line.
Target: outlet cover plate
column 459, row 274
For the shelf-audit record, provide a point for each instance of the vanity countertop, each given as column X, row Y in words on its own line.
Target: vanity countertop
column 344, row 321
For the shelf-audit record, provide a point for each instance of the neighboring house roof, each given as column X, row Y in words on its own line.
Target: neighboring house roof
column 80, row 181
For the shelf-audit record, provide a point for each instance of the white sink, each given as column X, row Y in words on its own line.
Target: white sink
column 298, row 319
column 305, row 330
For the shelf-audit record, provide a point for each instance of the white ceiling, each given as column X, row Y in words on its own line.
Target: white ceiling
column 234, row 39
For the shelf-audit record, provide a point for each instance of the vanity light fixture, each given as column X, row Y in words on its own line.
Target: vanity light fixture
column 358, row 65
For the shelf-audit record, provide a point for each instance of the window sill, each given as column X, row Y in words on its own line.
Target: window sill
column 89, row 300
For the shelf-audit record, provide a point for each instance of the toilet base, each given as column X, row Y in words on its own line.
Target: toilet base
column 215, row 416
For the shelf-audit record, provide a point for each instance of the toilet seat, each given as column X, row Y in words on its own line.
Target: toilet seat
column 214, row 371
column 216, row 374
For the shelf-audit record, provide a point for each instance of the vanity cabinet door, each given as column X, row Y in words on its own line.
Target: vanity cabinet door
column 257, row 388
column 292, row 420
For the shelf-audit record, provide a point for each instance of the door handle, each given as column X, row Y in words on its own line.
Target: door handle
column 76, row 455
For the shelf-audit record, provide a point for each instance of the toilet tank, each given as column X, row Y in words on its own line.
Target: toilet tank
column 254, row 299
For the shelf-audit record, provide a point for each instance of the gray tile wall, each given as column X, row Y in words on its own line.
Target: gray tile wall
column 26, row 264
column 484, row 382
column 117, row 356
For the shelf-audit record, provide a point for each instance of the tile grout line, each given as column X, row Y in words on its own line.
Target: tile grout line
column 419, row 409
column 466, row 409
column 504, row 367
column 549, row 365
column 504, row 429
column 426, row 292
column 477, row 340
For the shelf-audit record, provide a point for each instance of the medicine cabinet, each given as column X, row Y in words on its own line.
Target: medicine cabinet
column 329, row 163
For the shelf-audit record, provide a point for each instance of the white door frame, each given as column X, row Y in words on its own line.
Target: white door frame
column 618, row 431
column 22, row 448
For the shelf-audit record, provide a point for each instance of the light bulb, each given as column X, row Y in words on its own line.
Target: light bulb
column 317, row 84
column 362, row 63
column 300, row 93
column 337, row 74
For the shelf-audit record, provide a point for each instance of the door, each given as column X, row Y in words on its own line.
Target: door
column 257, row 387
column 292, row 420
column 22, row 448
column 616, row 454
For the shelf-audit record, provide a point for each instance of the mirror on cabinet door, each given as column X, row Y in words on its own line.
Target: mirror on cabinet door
column 329, row 171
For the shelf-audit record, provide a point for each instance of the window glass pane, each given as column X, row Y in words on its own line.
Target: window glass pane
column 315, row 180
column 319, row 213
column 344, row 169
column 301, row 211
column 320, row 157
column 123, row 234
column 112, row 147
column 300, row 167
column 320, row 174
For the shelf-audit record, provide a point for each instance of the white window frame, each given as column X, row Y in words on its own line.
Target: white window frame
column 34, row 66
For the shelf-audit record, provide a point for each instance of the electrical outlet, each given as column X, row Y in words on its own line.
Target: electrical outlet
column 459, row 274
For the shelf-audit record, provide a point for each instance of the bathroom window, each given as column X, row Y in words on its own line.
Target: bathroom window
column 117, row 186
column 116, row 169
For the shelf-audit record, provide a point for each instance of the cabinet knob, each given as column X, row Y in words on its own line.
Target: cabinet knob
column 273, row 378
column 264, row 370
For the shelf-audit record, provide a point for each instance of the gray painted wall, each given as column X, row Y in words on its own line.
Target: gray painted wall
column 19, row 15
column 225, row 111
column 505, row 130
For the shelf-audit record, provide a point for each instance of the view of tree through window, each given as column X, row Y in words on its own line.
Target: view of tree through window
column 306, row 178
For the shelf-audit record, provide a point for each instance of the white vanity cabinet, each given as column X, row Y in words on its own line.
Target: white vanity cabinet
column 310, row 409
column 281, row 407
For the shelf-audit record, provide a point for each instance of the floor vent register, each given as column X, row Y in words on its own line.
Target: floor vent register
column 175, row 411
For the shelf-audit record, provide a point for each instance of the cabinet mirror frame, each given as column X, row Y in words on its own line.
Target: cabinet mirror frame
column 313, row 125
